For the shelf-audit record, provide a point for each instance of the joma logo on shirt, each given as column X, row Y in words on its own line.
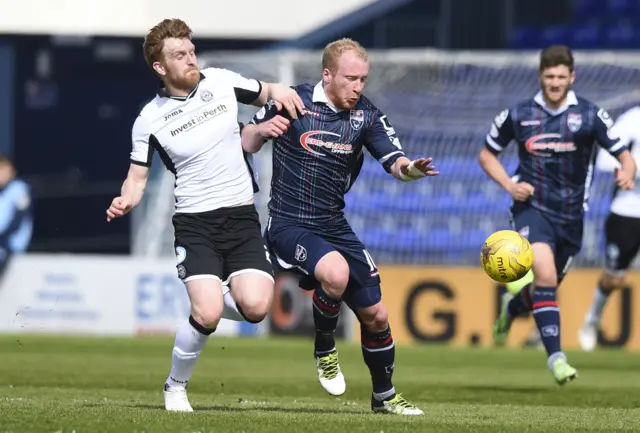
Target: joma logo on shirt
column 170, row 115
column 200, row 119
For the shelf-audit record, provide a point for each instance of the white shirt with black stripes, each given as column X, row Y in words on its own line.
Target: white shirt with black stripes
column 198, row 139
column 627, row 127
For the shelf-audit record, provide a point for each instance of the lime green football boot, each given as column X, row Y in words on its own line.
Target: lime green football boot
column 503, row 325
column 563, row 372
column 514, row 287
column 397, row 405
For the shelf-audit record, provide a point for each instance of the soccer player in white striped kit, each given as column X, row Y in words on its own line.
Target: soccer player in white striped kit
column 192, row 124
column 622, row 229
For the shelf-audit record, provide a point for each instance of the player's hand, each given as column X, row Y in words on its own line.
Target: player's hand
column 624, row 180
column 423, row 165
column 287, row 98
column 274, row 127
column 119, row 207
column 521, row 191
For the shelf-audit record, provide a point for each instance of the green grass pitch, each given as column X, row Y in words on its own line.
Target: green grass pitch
column 56, row 384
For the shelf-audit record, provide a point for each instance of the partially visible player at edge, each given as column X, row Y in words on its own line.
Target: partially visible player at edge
column 556, row 133
column 622, row 230
column 192, row 124
column 316, row 159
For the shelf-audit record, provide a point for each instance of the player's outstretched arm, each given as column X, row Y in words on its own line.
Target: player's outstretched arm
column 406, row 170
column 254, row 136
column 131, row 192
column 283, row 96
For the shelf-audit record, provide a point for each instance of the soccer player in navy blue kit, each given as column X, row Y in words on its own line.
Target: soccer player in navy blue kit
column 316, row 159
column 556, row 132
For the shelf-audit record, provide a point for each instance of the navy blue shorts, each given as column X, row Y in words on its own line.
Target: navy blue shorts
column 564, row 239
column 299, row 249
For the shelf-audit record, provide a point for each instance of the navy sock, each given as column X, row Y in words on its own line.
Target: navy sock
column 521, row 303
column 326, row 311
column 379, row 354
column 547, row 316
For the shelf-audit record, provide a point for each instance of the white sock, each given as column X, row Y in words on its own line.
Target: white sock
column 230, row 310
column 186, row 350
column 600, row 299
column 552, row 358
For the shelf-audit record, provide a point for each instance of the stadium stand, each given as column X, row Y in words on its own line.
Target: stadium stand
column 594, row 24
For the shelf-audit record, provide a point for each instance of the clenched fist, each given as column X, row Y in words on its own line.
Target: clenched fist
column 120, row 206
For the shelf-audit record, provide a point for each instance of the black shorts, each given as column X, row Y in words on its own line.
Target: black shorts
column 623, row 242
column 220, row 244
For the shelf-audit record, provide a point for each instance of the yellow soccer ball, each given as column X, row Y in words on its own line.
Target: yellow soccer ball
column 506, row 256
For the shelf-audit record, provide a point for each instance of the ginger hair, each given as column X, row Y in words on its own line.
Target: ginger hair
column 333, row 51
column 154, row 41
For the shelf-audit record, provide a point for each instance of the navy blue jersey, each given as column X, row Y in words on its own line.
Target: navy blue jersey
column 318, row 159
column 557, row 151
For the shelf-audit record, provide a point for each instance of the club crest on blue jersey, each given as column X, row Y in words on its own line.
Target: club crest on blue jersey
column 574, row 121
column 357, row 119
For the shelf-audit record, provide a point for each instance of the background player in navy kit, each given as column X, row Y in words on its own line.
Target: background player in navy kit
column 316, row 159
column 556, row 133
column 622, row 230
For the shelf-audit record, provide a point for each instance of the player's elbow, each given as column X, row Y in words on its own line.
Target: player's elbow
column 485, row 157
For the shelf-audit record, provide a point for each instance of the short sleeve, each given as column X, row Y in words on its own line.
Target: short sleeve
column 247, row 90
column 142, row 151
column 381, row 140
column 500, row 133
column 613, row 137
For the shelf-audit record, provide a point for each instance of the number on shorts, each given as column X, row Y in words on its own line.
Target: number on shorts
column 372, row 265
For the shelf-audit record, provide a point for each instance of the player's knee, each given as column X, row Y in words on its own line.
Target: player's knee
column 255, row 309
column 374, row 318
column 253, row 295
column 206, row 302
column 333, row 272
column 208, row 318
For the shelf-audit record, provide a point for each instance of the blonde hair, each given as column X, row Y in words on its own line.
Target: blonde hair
column 335, row 49
column 154, row 41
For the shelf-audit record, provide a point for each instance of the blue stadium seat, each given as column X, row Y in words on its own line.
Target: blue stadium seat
column 525, row 38
column 585, row 9
column 585, row 37
column 623, row 8
column 621, row 36
column 554, row 35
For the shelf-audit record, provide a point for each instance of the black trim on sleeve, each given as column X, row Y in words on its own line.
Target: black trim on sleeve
column 492, row 149
column 140, row 163
column 164, row 156
column 149, row 160
column 247, row 97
